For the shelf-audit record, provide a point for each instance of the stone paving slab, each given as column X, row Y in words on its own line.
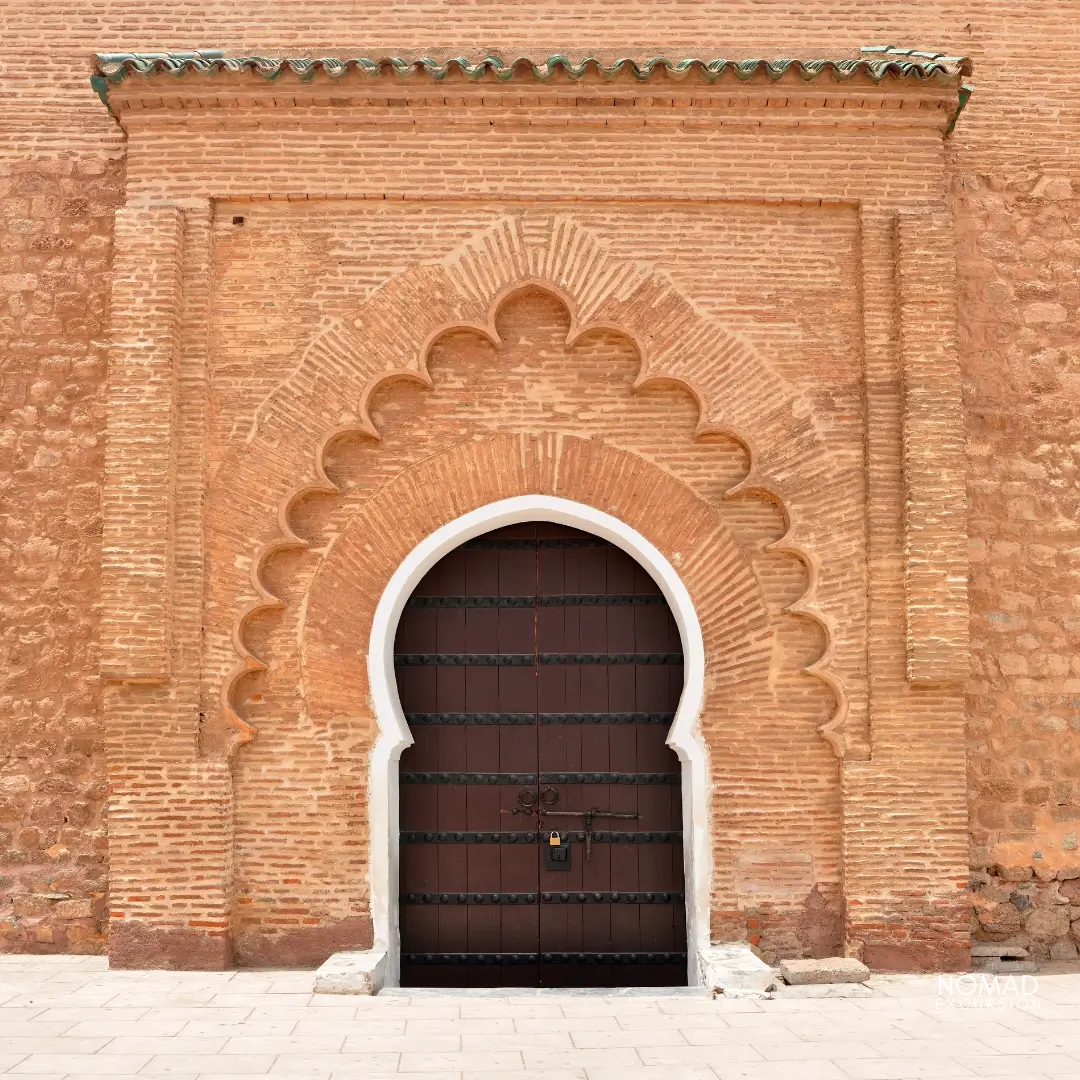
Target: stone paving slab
column 68, row 1018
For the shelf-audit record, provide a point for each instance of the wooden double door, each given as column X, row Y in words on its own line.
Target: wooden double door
column 539, row 670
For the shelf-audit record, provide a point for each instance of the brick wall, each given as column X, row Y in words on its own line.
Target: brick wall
column 534, row 378
column 1011, row 186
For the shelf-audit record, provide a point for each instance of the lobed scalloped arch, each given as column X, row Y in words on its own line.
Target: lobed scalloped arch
column 328, row 392
column 737, row 391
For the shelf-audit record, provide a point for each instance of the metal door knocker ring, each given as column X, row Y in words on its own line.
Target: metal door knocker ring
column 549, row 796
column 527, row 798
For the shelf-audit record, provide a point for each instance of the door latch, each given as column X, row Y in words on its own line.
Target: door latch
column 556, row 853
column 588, row 815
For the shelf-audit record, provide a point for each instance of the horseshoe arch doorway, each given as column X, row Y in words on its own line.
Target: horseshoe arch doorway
column 539, row 668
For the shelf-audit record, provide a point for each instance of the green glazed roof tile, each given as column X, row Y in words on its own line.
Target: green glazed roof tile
column 876, row 63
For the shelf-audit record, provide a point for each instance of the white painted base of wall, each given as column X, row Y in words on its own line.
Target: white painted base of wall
column 361, row 972
column 736, row 970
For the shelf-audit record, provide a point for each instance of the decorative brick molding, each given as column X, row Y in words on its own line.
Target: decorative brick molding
column 140, row 463
column 166, row 909
column 935, row 519
column 768, row 439
column 736, row 624
column 740, row 633
column 738, row 395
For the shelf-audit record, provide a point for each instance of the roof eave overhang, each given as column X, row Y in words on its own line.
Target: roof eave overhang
column 207, row 78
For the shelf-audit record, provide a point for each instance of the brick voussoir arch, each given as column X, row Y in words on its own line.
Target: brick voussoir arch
column 327, row 394
column 447, row 486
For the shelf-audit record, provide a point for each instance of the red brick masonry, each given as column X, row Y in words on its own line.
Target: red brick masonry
column 814, row 346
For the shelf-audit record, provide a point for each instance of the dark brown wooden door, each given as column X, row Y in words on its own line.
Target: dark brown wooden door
column 539, row 670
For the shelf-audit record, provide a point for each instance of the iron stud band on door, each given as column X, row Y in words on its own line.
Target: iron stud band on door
column 530, row 719
column 547, row 958
column 554, row 600
column 531, row 659
column 599, row 837
column 545, row 778
column 526, row 899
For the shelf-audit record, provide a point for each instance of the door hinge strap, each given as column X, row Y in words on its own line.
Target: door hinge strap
column 599, row 837
column 543, row 718
column 530, row 659
column 547, row 958
column 614, row 958
column 473, row 899
column 531, row 778
column 466, row 778
column 609, row 778
column 554, row 600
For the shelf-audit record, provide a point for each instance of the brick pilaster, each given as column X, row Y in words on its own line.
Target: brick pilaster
column 140, row 447
column 935, row 505
column 170, row 810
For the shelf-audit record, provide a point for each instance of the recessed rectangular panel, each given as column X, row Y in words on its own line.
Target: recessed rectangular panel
column 482, row 631
column 420, row 807
column 520, row 927
column 516, row 631
column 484, row 809
column 481, row 690
column 453, row 927
column 420, row 927
column 453, row 749
column 484, row 933
column 424, row 752
column 453, row 870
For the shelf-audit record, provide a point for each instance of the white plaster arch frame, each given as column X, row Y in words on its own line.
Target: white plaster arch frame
column 684, row 736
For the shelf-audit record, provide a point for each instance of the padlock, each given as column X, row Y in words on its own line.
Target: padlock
column 554, row 839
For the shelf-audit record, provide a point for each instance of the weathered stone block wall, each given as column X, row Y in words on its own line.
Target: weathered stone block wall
column 1020, row 273
column 55, row 244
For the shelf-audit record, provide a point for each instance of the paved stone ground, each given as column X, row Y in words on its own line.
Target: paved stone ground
column 70, row 1017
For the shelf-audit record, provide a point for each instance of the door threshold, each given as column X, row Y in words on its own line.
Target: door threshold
column 547, row 991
